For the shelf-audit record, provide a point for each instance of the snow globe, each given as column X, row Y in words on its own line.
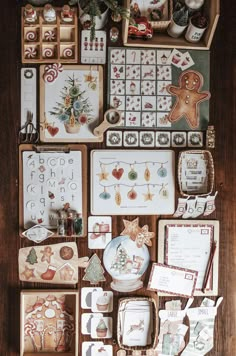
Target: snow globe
column 126, row 257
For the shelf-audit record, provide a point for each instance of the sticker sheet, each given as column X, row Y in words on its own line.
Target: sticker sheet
column 138, row 81
column 50, row 180
column 132, row 182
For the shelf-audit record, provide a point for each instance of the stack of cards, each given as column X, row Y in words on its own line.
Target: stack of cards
column 99, row 231
column 95, row 324
column 194, row 173
column 135, row 322
column 96, row 349
column 180, row 60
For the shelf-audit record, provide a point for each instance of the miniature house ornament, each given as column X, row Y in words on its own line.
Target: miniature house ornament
column 126, row 257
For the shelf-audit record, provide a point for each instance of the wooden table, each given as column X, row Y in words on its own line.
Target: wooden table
column 222, row 113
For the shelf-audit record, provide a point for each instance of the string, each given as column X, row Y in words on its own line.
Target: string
column 133, row 163
column 133, row 186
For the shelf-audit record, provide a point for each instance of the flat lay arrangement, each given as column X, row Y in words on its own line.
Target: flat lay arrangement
column 117, row 178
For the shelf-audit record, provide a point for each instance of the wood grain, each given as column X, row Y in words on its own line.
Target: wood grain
column 223, row 113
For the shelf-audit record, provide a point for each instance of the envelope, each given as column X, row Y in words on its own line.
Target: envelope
column 172, row 280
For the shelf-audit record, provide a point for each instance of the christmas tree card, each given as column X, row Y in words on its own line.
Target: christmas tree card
column 71, row 102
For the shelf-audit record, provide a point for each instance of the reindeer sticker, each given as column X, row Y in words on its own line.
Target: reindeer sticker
column 139, row 327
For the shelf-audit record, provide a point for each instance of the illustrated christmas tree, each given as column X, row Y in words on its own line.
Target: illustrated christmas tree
column 94, row 273
column 121, row 258
column 32, row 257
column 75, row 108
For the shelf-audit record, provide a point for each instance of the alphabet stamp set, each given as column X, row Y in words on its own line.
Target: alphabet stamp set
column 118, row 214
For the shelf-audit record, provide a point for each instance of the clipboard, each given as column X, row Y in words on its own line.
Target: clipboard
column 49, row 178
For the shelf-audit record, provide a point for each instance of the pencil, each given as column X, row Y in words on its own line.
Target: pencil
column 209, row 266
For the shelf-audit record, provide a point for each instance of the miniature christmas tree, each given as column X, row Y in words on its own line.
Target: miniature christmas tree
column 32, row 257
column 74, row 108
column 181, row 17
column 121, row 259
column 94, row 273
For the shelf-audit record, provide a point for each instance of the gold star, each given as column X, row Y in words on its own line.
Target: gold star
column 148, row 196
column 28, row 273
column 144, row 237
column 131, row 228
column 103, row 176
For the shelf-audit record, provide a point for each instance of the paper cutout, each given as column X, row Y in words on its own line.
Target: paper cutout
column 94, row 272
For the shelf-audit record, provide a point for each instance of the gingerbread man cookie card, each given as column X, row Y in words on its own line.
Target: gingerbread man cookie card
column 188, row 98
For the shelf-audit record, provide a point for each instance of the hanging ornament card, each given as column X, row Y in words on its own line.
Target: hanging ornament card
column 51, row 179
column 71, row 102
column 134, row 182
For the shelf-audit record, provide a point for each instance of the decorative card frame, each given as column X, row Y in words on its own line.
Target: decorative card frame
column 61, row 149
column 73, row 299
column 47, row 88
column 161, row 248
column 153, row 188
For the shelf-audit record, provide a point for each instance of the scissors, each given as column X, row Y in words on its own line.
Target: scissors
column 28, row 130
column 112, row 117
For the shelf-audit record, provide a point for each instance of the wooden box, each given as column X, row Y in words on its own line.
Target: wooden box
column 163, row 40
column 33, row 332
column 35, row 37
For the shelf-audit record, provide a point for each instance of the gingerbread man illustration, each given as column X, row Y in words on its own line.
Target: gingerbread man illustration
column 188, row 98
column 47, row 253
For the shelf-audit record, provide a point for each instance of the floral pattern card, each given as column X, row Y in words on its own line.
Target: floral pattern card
column 132, row 182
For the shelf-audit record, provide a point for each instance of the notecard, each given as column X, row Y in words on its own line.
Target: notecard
column 172, row 280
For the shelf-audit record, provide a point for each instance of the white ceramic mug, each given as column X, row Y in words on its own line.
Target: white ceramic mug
column 175, row 30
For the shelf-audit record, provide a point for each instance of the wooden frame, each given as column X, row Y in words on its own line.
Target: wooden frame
column 161, row 248
column 66, row 148
column 43, row 112
column 163, row 40
column 44, row 293
column 66, row 37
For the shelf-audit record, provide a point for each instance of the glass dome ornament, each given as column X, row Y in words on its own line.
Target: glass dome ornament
column 126, row 257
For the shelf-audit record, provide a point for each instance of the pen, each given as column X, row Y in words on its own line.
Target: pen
column 209, row 266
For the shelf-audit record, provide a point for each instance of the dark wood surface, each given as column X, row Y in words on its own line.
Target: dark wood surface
column 222, row 114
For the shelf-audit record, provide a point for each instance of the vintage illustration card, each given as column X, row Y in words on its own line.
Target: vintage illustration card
column 101, row 328
column 132, row 182
column 71, row 102
column 164, row 89
column 186, row 244
column 51, row 179
column 99, row 231
column 86, row 322
column 86, row 296
column 56, row 264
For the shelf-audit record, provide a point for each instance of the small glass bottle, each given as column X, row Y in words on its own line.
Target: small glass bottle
column 70, row 225
column 30, row 13
column 67, row 14
column 49, row 13
column 61, row 224
column 193, row 6
column 78, row 224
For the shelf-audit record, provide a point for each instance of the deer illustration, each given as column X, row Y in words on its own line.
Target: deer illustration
column 139, row 326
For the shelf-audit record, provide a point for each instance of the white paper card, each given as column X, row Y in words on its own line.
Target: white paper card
column 86, row 322
column 86, row 296
column 172, row 280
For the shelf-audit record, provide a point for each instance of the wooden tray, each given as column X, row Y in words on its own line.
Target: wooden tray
column 163, row 40
column 66, row 38
column 30, row 297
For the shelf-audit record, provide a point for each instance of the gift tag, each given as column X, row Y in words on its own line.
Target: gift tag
column 28, row 94
column 93, row 51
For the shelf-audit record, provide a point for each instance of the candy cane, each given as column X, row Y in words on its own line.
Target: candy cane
column 134, row 55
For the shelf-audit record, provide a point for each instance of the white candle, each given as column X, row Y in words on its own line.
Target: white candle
column 194, row 4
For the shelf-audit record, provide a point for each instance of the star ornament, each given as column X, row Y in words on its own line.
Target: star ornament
column 131, row 228
column 144, row 237
column 103, row 176
column 148, row 196
column 28, row 273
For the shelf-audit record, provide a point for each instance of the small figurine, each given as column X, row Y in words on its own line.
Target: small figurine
column 67, row 14
column 135, row 11
column 30, row 13
column 141, row 28
column 114, row 34
column 49, row 13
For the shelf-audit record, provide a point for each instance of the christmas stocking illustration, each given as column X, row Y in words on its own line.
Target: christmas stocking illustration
column 210, row 204
column 172, row 331
column 49, row 274
column 201, row 329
